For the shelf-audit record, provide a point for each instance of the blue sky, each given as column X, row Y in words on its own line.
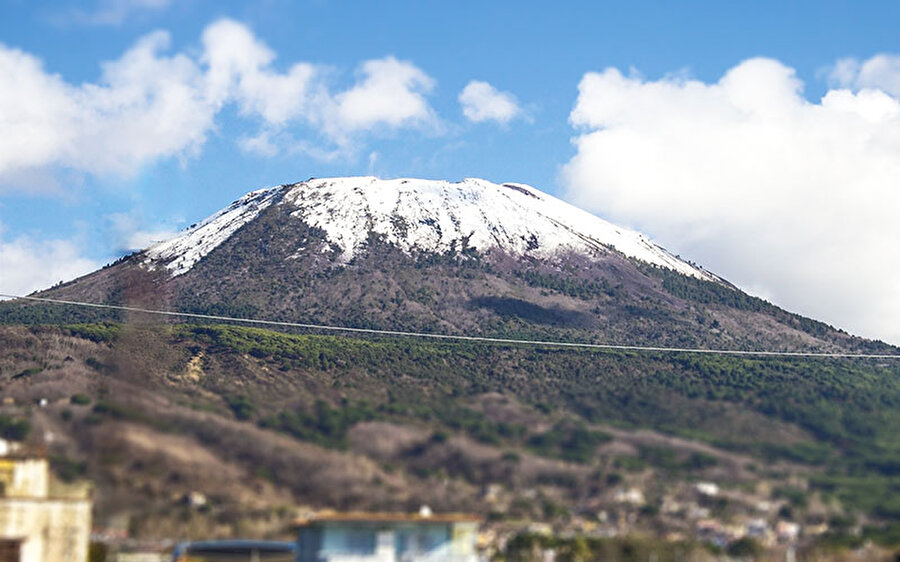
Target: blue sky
column 302, row 96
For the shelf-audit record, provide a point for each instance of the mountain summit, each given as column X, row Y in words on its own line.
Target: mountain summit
column 419, row 215
column 385, row 423
column 470, row 257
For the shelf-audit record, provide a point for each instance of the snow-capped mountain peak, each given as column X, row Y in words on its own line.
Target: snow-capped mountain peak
column 179, row 254
column 423, row 215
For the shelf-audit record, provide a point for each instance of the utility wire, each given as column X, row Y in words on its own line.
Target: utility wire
column 452, row 337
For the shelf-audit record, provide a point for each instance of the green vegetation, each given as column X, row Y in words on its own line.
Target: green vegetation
column 471, row 422
column 848, row 408
column 569, row 442
column 39, row 314
column 708, row 292
column 293, row 351
column 795, row 497
column 94, row 364
column 578, row 288
column 745, row 547
column 112, row 410
column 14, row 429
column 667, row 459
column 242, row 407
column 102, row 333
column 66, row 469
column 839, row 416
column 98, row 552
column 835, row 419
column 325, row 425
column 887, row 535
column 27, row 372
column 530, row 547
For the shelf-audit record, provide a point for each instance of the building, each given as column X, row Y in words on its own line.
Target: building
column 235, row 551
column 387, row 537
column 35, row 524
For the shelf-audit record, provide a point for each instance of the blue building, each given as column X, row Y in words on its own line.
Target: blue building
column 387, row 537
column 235, row 551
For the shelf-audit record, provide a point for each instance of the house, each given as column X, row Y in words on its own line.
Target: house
column 707, row 488
column 633, row 496
column 40, row 523
column 235, row 551
column 387, row 537
column 787, row 531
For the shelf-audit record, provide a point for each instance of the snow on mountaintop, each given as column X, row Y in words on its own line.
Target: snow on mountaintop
column 425, row 215
column 190, row 246
column 431, row 215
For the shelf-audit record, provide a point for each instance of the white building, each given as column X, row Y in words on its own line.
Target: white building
column 34, row 525
column 387, row 537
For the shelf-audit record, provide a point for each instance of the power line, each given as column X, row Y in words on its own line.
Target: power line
column 452, row 337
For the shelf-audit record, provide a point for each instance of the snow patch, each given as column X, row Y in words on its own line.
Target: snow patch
column 179, row 254
column 434, row 216
column 424, row 215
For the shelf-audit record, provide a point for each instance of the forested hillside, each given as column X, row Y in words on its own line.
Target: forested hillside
column 412, row 422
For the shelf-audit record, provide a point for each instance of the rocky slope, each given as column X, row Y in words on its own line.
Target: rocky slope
column 470, row 257
column 261, row 422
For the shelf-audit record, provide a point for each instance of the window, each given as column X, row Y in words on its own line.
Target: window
column 359, row 541
column 9, row 550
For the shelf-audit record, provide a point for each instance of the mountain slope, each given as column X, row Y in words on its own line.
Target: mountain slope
column 470, row 257
column 260, row 422
column 149, row 410
column 424, row 216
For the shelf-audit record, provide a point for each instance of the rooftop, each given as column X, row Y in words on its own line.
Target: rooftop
column 384, row 517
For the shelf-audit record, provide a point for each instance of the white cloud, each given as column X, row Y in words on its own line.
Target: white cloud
column 149, row 104
column 142, row 239
column 880, row 72
column 129, row 233
column 239, row 69
column 482, row 102
column 389, row 93
column 27, row 265
column 744, row 175
column 113, row 12
column 260, row 144
column 145, row 107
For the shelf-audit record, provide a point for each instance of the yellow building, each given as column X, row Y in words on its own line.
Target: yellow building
column 35, row 525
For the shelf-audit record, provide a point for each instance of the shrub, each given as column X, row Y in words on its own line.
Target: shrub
column 242, row 407
column 745, row 547
column 14, row 429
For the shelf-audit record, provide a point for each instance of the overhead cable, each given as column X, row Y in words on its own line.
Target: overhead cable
column 455, row 337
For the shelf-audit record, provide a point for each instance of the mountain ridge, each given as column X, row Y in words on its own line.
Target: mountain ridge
column 443, row 257
column 424, row 215
column 392, row 422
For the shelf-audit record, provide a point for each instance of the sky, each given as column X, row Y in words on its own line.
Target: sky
column 760, row 140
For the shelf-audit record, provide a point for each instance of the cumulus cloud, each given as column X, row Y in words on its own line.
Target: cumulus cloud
column 147, row 105
column 151, row 104
column 880, row 72
column 389, row 93
column 27, row 265
column 791, row 198
column 239, row 69
column 482, row 102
